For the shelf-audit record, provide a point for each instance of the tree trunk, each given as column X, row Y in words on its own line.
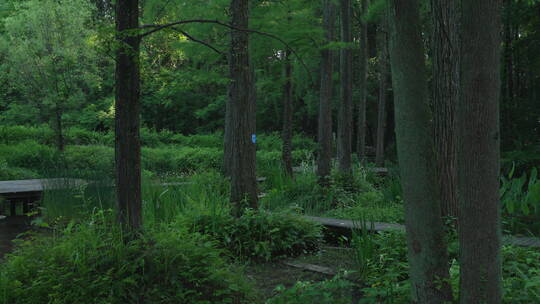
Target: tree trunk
column 362, row 87
column 242, row 113
column 345, row 121
column 425, row 235
column 324, row 165
column 478, row 153
column 384, row 67
column 127, row 107
column 445, row 98
column 287, row 117
column 59, row 128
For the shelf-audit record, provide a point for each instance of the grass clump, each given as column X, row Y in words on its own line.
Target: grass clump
column 91, row 263
column 259, row 236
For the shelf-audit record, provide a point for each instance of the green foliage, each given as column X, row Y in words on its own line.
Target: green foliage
column 259, row 236
column 333, row 291
column 90, row 263
column 50, row 59
column 520, row 199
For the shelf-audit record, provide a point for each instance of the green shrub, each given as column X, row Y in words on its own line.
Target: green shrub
column 90, row 159
column 260, row 236
column 30, row 155
column 334, row 291
column 89, row 263
column 17, row 134
column 12, row 173
column 78, row 136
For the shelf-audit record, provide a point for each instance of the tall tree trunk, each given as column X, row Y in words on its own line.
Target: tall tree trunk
column 59, row 129
column 127, row 120
column 227, row 139
column 445, row 41
column 478, row 153
column 382, row 39
column 287, row 116
column 345, row 121
column 324, row 165
column 425, row 235
column 242, row 113
column 362, row 87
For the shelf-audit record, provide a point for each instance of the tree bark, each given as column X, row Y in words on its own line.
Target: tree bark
column 478, row 153
column 127, row 120
column 362, row 87
column 345, row 122
column 324, row 163
column 382, row 39
column 59, row 129
column 445, row 96
column 242, row 113
column 428, row 266
column 287, row 117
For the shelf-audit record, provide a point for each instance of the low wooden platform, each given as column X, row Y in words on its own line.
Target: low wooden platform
column 346, row 226
column 29, row 191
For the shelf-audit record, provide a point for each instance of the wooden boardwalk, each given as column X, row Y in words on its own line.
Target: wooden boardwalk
column 348, row 225
column 29, row 191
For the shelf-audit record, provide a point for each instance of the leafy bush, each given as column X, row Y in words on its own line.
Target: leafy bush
column 90, row 263
column 12, row 173
column 30, row 155
column 260, row 235
column 17, row 134
column 334, row 291
column 520, row 199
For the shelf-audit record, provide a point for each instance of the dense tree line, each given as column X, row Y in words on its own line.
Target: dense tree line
column 242, row 66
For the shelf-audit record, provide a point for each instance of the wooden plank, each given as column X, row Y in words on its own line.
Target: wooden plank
column 350, row 224
column 313, row 268
column 38, row 185
column 381, row 171
column 377, row 226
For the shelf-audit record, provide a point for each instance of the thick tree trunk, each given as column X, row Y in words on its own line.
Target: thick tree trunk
column 425, row 234
column 478, row 153
column 127, row 107
column 362, row 87
column 242, row 113
column 445, row 41
column 287, row 117
column 324, row 164
column 345, row 121
column 382, row 39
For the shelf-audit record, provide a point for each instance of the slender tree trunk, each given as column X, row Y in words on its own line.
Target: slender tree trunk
column 362, row 87
column 242, row 113
column 478, row 153
column 324, row 166
column 127, row 120
column 287, row 117
column 445, row 41
column 425, row 235
column 345, row 122
column 59, row 128
column 384, row 67
column 227, row 139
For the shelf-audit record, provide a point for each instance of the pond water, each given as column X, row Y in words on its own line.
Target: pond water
column 10, row 227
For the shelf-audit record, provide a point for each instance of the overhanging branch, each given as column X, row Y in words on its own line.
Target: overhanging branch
column 158, row 27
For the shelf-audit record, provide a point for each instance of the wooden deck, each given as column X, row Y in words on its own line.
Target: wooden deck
column 29, row 191
column 349, row 225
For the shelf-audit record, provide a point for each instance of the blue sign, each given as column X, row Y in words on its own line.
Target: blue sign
column 254, row 138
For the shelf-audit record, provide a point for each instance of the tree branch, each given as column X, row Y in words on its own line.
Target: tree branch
column 188, row 36
column 158, row 27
